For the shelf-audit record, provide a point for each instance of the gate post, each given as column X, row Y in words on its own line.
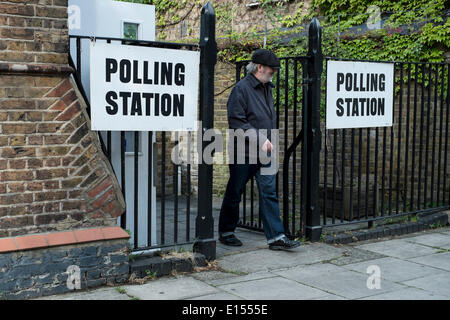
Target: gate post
column 204, row 224
column 313, row 135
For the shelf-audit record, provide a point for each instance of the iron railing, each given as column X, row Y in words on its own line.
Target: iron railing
column 110, row 140
column 370, row 174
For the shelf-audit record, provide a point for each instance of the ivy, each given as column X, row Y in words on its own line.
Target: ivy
column 162, row 7
column 416, row 31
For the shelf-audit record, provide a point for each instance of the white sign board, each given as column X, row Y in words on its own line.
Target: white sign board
column 143, row 89
column 359, row 94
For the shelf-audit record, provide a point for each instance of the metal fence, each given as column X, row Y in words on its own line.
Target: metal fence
column 366, row 174
column 370, row 174
column 157, row 217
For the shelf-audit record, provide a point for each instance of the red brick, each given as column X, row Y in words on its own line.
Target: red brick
column 18, row 104
column 100, row 188
column 61, row 89
column 16, row 187
column 17, row 33
column 17, row 9
column 11, row 199
column 35, row 163
column 105, row 198
column 20, row 128
column 16, row 175
column 48, row 196
column 49, row 218
column 16, row 222
column 18, row 152
column 53, row 162
column 34, row 186
column 46, row 174
column 69, row 98
column 58, row 106
column 35, row 140
column 54, row 184
column 73, row 110
column 17, row 164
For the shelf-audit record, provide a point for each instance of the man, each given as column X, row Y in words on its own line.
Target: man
column 250, row 108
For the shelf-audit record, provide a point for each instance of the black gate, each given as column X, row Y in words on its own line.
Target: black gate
column 297, row 103
column 182, row 220
column 366, row 174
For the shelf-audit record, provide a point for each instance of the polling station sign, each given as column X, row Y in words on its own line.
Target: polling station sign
column 359, row 94
column 143, row 88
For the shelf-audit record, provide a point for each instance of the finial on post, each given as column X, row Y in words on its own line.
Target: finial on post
column 315, row 45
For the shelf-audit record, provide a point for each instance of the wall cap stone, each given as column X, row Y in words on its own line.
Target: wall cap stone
column 53, row 239
column 24, row 68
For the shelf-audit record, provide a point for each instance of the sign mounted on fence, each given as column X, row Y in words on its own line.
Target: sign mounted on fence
column 143, row 88
column 359, row 94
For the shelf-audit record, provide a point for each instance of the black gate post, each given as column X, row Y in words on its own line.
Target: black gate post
column 204, row 225
column 313, row 135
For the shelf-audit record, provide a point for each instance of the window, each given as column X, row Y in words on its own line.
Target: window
column 130, row 30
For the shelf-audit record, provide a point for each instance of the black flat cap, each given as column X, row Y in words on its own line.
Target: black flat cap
column 266, row 57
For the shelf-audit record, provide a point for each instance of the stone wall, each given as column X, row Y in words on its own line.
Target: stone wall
column 41, row 272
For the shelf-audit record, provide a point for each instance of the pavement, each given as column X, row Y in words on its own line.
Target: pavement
column 409, row 267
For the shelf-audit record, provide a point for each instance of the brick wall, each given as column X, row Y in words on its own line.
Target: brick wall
column 34, row 31
column 53, row 174
column 233, row 16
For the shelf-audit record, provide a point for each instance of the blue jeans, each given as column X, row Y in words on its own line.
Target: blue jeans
column 240, row 174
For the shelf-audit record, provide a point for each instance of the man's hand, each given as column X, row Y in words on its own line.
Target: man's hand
column 267, row 146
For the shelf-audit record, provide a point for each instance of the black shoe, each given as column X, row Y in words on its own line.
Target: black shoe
column 284, row 244
column 230, row 240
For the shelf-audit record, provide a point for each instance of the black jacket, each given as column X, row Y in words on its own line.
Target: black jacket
column 250, row 107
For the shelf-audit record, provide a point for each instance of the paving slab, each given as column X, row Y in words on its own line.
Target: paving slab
column 438, row 260
column 337, row 280
column 407, row 294
column 265, row 259
column 354, row 255
column 277, row 288
column 433, row 240
column 398, row 248
column 251, row 235
column 182, row 287
column 218, row 296
column 394, row 269
column 329, row 296
column 210, row 276
column 246, row 246
column 302, row 273
column 437, row 284
column 109, row 293
column 242, row 278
